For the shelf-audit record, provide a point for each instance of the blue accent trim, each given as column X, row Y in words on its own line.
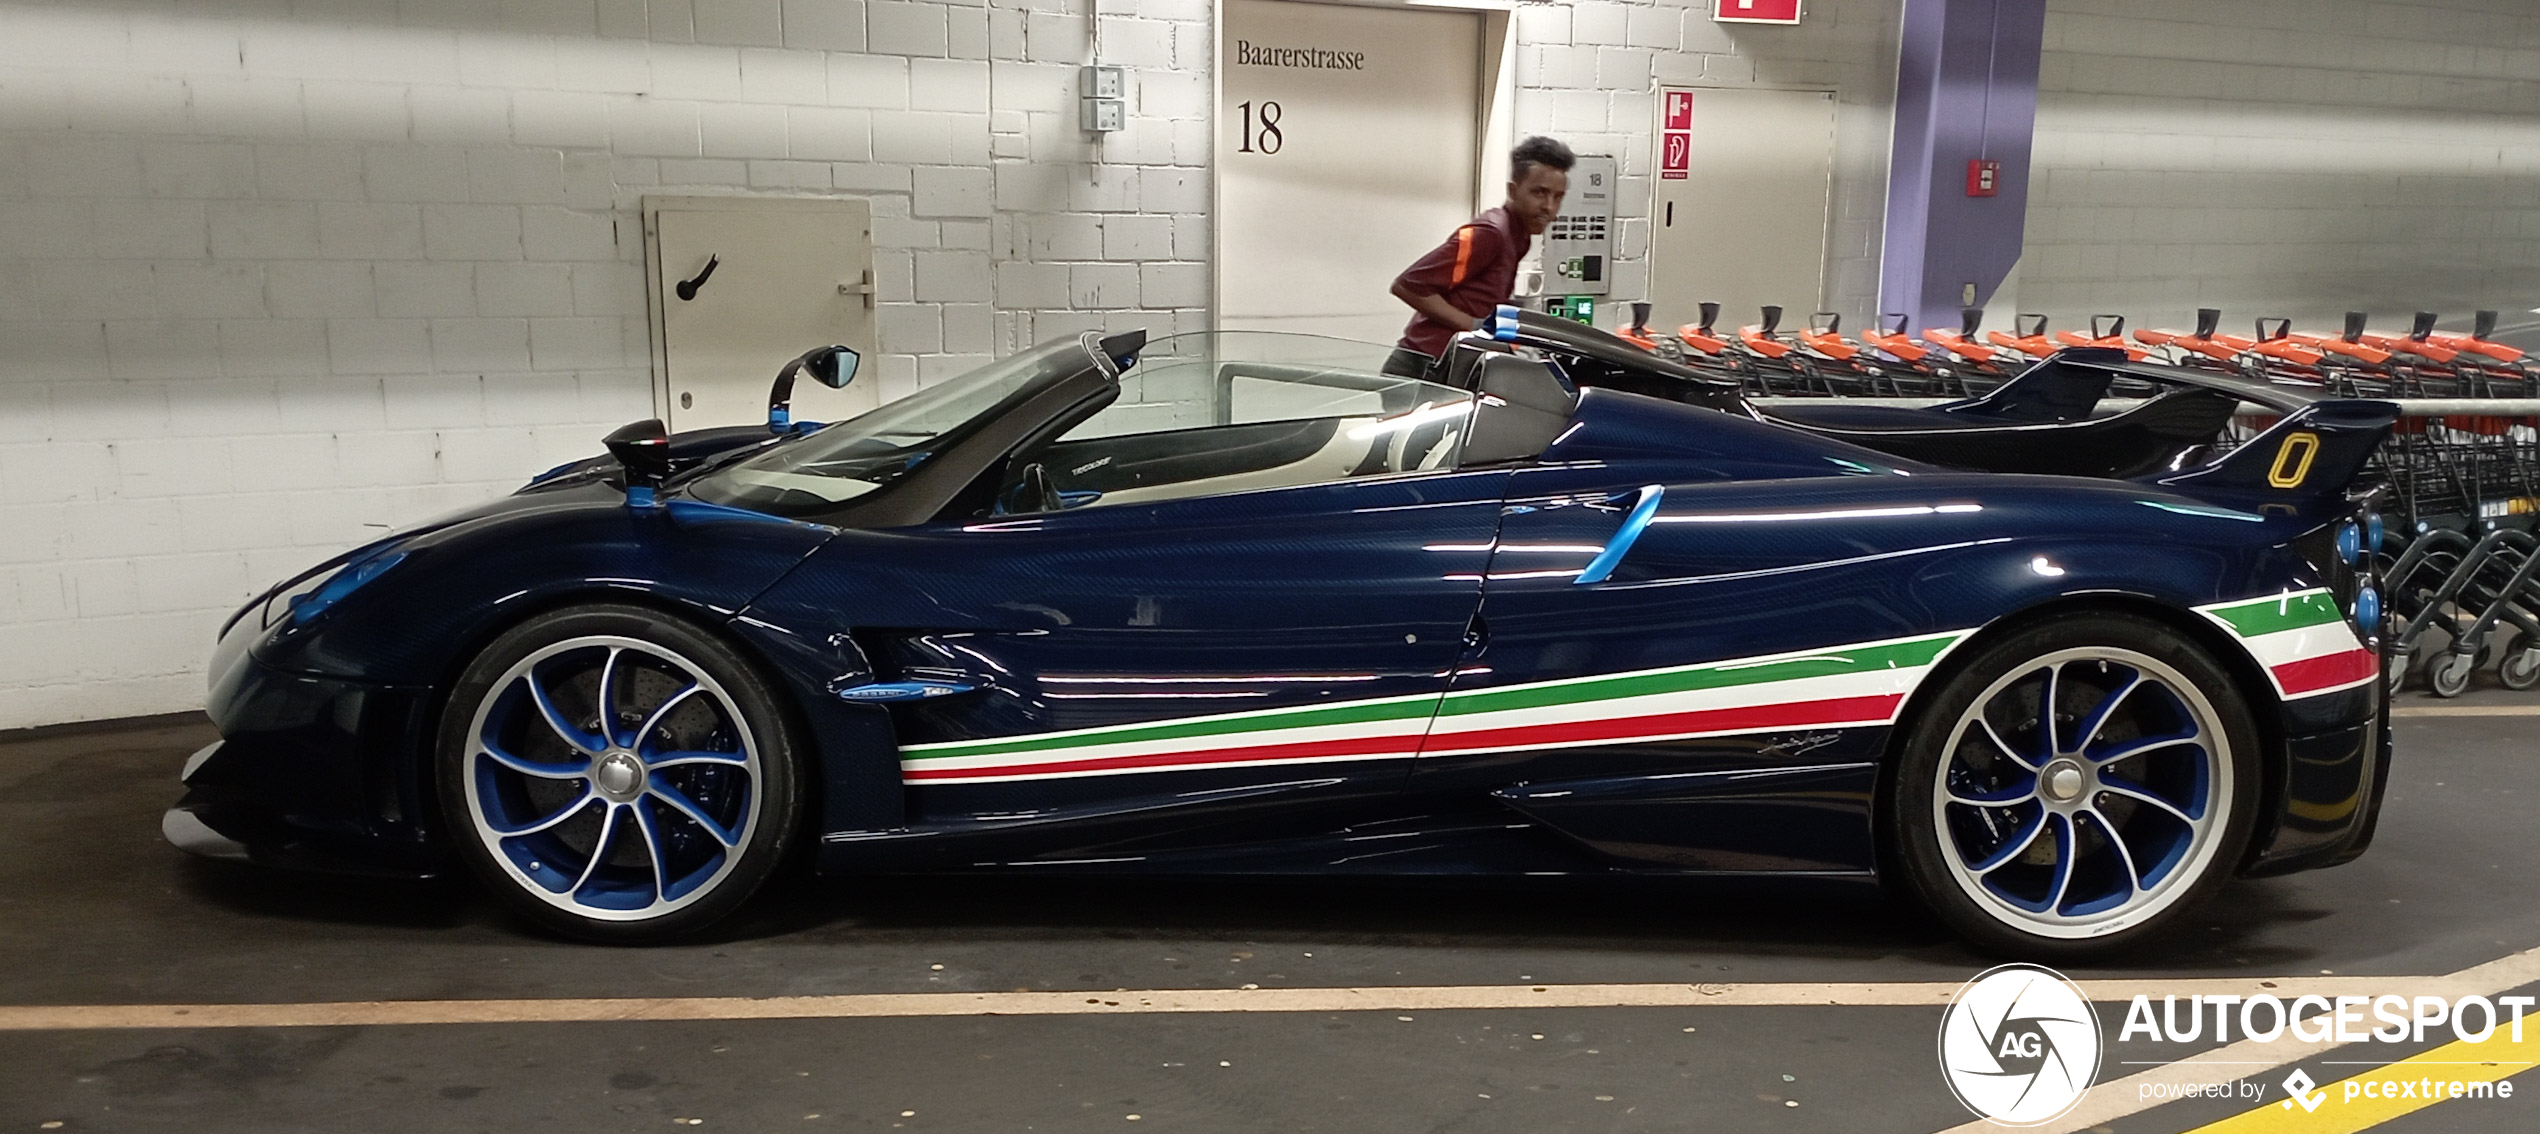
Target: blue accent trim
column 1503, row 323
column 353, row 575
column 883, row 691
column 638, row 496
column 1601, row 567
column 685, row 508
column 552, row 473
column 778, row 417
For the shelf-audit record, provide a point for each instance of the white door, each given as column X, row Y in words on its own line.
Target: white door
column 1345, row 150
column 1739, row 216
column 787, row 276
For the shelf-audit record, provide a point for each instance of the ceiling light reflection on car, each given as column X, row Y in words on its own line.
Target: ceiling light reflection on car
column 1828, row 514
column 1301, row 678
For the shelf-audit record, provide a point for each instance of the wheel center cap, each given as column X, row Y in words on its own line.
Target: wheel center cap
column 2063, row 781
column 619, row 776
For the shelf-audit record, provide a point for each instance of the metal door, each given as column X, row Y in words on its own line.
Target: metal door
column 1346, row 143
column 1740, row 212
column 742, row 285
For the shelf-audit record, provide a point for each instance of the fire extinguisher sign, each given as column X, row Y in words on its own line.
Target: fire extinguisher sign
column 1755, row 11
column 1675, row 136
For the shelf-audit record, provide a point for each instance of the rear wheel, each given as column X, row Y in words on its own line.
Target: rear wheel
column 2073, row 787
column 616, row 773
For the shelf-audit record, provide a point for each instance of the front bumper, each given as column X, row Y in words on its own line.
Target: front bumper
column 311, row 772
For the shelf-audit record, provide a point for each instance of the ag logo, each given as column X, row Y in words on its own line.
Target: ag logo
column 2019, row 1044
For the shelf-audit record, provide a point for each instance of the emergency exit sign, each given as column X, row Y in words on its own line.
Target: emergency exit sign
column 1755, row 11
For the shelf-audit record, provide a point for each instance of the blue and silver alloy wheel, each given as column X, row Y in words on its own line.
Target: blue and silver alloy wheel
column 612, row 778
column 2083, row 792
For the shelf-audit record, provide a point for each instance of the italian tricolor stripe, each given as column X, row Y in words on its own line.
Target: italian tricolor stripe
column 1855, row 685
column 2302, row 639
column 1858, row 685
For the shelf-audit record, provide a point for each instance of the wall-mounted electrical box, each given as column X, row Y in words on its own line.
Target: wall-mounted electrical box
column 1102, row 99
column 1578, row 248
column 740, row 285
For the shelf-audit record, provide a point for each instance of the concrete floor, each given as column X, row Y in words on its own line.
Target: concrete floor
column 95, row 909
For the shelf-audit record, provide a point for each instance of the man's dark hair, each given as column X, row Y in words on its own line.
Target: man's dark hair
column 1539, row 150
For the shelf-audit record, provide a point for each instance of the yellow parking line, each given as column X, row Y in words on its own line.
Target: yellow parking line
column 2360, row 1102
column 2465, row 711
column 1122, row 1002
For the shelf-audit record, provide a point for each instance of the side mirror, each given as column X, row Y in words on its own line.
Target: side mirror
column 834, row 366
column 644, row 449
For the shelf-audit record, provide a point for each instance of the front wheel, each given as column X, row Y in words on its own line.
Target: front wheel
column 2073, row 787
column 616, row 773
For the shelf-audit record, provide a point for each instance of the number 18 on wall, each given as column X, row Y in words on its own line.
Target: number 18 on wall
column 1263, row 136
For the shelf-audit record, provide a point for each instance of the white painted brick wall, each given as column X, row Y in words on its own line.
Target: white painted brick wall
column 275, row 279
column 2293, row 159
column 1586, row 72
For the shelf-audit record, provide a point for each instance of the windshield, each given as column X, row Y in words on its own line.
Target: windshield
column 850, row 458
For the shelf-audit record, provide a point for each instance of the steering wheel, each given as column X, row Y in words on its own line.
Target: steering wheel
column 1029, row 494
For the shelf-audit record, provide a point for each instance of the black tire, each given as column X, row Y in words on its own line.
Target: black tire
column 1938, row 855
column 708, row 790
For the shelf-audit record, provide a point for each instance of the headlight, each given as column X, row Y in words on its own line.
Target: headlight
column 308, row 598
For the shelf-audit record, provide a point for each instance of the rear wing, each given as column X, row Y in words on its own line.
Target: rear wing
column 2307, row 458
column 2053, row 388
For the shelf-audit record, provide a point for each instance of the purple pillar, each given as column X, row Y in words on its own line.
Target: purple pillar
column 1966, row 89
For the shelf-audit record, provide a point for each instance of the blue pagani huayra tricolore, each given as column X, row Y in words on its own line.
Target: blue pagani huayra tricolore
column 1245, row 603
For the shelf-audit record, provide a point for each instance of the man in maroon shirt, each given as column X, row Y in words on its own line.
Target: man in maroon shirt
column 1462, row 281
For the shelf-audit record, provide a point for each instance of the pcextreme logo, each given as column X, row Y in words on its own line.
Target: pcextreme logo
column 2019, row 1044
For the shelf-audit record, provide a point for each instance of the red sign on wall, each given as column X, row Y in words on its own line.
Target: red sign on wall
column 1983, row 177
column 1675, row 135
column 1755, row 11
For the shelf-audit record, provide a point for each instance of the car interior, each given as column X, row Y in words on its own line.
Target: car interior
column 1234, row 412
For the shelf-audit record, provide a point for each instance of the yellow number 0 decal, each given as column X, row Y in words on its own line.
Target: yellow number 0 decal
column 2293, row 460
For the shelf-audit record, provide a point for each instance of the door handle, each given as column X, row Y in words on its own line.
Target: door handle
column 864, row 288
column 1636, row 521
